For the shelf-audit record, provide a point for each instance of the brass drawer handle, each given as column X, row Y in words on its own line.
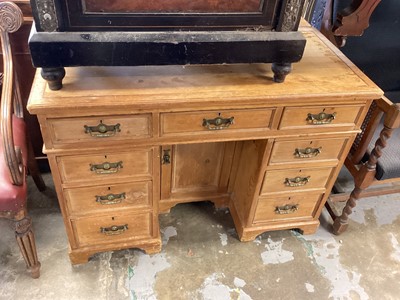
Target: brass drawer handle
column 106, row 167
column 321, row 118
column 286, row 209
column 307, row 152
column 297, row 181
column 110, row 199
column 218, row 123
column 114, row 230
column 102, row 130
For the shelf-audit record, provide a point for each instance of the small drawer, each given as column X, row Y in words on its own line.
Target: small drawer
column 102, row 128
column 109, row 166
column 297, row 206
column 112, row 228
column 212, row 121
column 113, row 196
column 320, row 116
column 304, row 151
column 295, row 180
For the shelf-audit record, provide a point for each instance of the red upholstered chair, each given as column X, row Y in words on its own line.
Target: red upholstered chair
column 13, row 146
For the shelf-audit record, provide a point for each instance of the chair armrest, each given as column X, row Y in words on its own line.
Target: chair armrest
column 11, row 19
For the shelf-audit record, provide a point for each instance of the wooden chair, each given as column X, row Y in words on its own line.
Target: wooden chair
column 374, row 159
column 338, row 19
column 14, row 150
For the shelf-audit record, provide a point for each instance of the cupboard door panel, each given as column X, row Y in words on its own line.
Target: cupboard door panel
column 196, row 169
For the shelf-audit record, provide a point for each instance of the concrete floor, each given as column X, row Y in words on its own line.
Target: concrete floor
column 203, row 259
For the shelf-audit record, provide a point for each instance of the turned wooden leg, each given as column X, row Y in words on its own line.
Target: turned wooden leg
column 26, row 243
column 54, row 77
column 341, row 223
column 367, row 171
column 280, row 71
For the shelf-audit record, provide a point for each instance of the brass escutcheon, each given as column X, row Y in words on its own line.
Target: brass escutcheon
column 110, row 199
column 321, row 118
column 286, row 209
column 297, row 181
column 102, row 130
column 307, row 152
column 114, row 230
column 106, row 167
column 218, row 123
column 166, row 158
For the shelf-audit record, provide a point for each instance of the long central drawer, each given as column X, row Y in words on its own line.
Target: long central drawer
column 213, row 121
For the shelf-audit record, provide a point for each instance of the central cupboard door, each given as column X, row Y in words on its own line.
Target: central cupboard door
column 195, row 172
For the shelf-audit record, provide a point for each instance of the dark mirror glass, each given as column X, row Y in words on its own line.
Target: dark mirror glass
column 172, row 6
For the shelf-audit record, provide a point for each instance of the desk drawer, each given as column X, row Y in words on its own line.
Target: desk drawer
column 212, row 121
column 114, row 196
column 320, row 116
column 307, row 150
column 108, row 166
column 292, row 180
column 102, row 128
column 112, row 228
column 297, row 206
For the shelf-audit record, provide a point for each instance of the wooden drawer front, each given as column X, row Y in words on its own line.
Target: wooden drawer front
column 304, row 151
column 275, row 181
column 98, row 230
column 298, row 117
column 191, row 122
column 298, row 206
column 73, row 130
column 88, row 168
column 113, row 196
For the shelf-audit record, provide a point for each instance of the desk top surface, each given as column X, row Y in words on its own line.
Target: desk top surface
column 323, row 72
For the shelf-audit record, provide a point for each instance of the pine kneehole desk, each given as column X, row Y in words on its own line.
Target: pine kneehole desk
column 128, row 143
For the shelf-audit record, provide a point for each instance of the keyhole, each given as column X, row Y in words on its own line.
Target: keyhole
column 112, row 218
column 105, row 156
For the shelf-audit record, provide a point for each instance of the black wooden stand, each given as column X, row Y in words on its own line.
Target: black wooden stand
column 56, row 50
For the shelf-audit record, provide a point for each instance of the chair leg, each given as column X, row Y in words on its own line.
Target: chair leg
column 330, row 210
column 341, row 223
column 33, row 167
column 26, row 243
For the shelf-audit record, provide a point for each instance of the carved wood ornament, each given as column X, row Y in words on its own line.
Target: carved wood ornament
column 11, row 19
